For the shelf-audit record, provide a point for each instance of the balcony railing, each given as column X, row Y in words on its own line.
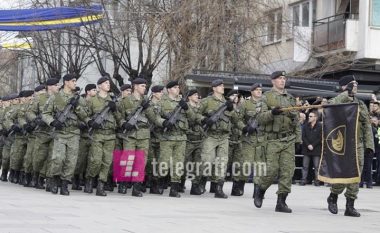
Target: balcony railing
column 330, row 33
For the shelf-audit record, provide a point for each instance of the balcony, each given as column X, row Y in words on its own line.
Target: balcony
column 335, row 33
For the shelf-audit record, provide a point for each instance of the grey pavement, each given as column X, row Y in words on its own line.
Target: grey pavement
column 36, row 211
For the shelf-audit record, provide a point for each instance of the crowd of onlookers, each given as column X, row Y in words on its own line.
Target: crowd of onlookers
column 311, row 124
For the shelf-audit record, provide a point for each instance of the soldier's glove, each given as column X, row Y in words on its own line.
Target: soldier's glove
column 349, row 89
column 207, row 122
column 112, row 106
column 276, row 111
column 248, row 130
column 29, row 127
column 82, row 126
column 183, row 105
column 16, row 129
column 93, row 124
column 127, row 127
column 168, row 125
column 74, row 102
column 57, row 125
column 368, row 152
column 145, row 104
column 230, row 105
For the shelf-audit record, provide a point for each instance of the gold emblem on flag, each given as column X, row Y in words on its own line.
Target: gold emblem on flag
column 335, row 140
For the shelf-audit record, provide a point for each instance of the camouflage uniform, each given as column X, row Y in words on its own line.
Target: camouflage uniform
column 8, row 141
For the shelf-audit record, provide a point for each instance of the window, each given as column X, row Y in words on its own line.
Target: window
column 274, row 26
column 375, row 13
column 301, row 14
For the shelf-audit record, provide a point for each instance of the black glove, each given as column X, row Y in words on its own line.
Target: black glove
column 166, row 124
column 94, row 125
column 112, row 106
column 145, row 104
column 28, row 127
column 74, row 102
column 349, row 88
column 57, row 125
column 127, row 127
column 248, row 130
column 368, row 152
column 183, row 105
column 207, row 122
column 276, row 111
column 16, row 129
column 82, row 126
column 230, row 105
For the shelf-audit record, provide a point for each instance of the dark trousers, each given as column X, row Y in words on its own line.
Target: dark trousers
column 378, row 167
column 367, row 169
column 306, row 163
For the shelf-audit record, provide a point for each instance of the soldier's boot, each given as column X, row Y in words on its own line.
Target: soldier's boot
column 143, row 187
column 34, row 181
column 16, row 177
column 54, row 184
column 174, row 186
column 258, row 195
column 213, row 187
column 195, row 189
column 156, row 187
column 129, row 185
column 332, row 203
column 28, row 180
column 11, row 175
column 108, row 186
column 21, row 179
column 48, row 184
column 64, row 188
column 136, row 190
column 122, row 188
column 219, row 190
column 40, row 183
column 350, row 209
column 182, row 186
column 237, row 188
column 100, row 189
column 88, row 185
column 76, row 183
column 281, row 204
column 202, row 184
column 4, row 175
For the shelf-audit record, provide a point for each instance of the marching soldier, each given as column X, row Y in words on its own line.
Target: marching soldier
column 364, row 145
column 283, row 131
column 101, row 109
column 65, row 132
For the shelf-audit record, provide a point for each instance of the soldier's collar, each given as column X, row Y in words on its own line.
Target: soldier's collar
column 285, row 92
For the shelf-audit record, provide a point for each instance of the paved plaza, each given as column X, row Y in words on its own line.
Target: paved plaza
column 35, row 211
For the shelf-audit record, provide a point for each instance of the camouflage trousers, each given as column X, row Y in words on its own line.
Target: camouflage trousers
column 172, row 155
column 83, row 156
column 193, row 160
column 43, row 147
column 153, row 155
column 28, row 159
column 235, row 159
column 18, row 150
column 280, row 163
column 6, row 153
column 352, row 190
column 100, row 156
column 64, row 156
column 215, row 158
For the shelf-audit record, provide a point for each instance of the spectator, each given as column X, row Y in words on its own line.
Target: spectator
column 368, row 158
column 311, row 146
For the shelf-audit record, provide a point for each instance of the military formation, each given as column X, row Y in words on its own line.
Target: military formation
column 53, row 136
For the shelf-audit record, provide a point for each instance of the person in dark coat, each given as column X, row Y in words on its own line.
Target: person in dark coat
column 368, row 157
column 311, row 146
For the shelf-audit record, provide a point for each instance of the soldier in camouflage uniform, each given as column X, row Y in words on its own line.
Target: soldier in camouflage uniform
column 137, row 136
column 84, row 143
column 282, row 131
column 365, row 145
column 1, row 129
column 154, row 145
column 66, row 134
column 215, row 145
column 126, row 91
column 103, row 136
column 43, row 144
column 253, row 143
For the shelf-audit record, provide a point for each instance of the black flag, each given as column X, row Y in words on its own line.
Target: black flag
column 339, row 160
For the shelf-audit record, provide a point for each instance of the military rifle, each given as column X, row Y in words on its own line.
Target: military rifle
column 136, row 114
column 62, row 116
column 173, row 117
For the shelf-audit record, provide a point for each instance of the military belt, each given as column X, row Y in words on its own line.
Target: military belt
column 275, row 136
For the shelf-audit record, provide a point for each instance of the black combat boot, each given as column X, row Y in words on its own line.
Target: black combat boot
column 34, row 181
column 136, row 191
column 76, row 183
column 212, row 187
column 16, row 177
column 182, row 186
column 21, row 179
column 88, row 185
column 350, row 209
column 237, row 188
column 11, row 175
column 48, row 184
column 258, row 195
column 122, row 188
column 202, row 184
column 332, row 201
column 28, row 180
column 54, row 184
column 4, row 174
column 281, row 204
column 108, row 186
column 40, row 183
column 219, row 190
column 195, row 189
column 100, row 189
column 64, row 188
column 174, row 186
column 156, row 186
